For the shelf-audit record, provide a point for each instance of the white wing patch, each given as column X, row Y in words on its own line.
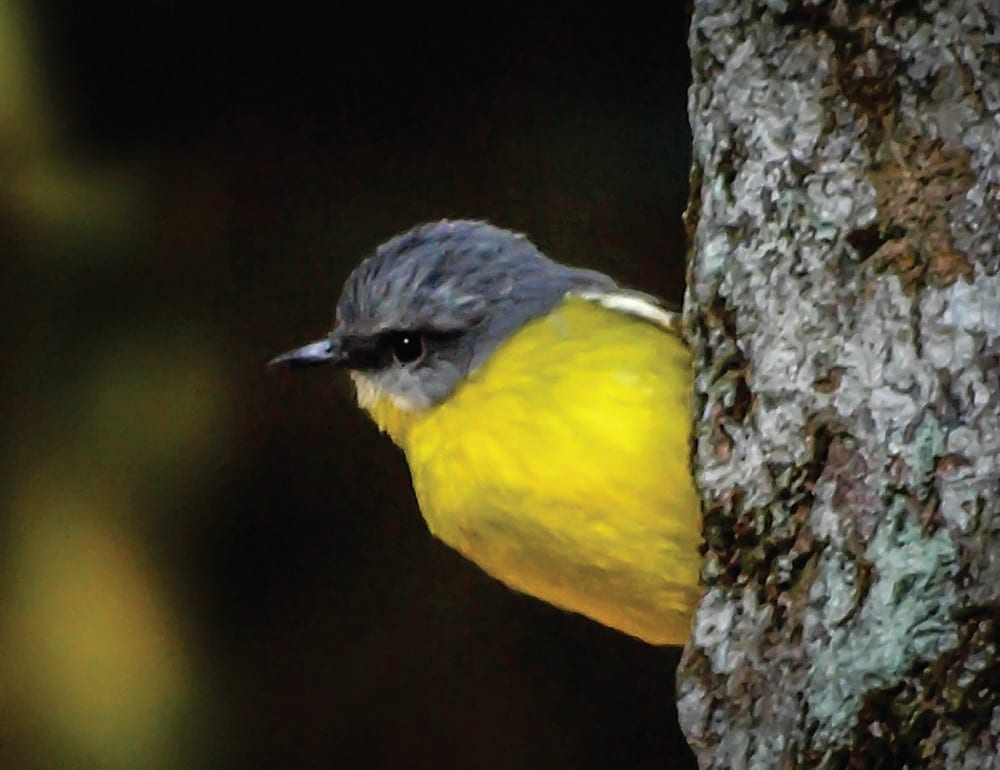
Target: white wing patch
column 633, row 303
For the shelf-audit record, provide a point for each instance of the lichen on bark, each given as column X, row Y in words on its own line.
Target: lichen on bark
column 844, row 308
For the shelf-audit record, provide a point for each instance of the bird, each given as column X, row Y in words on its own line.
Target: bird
column 544, row 413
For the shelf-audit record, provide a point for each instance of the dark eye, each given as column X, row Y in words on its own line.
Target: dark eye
column 406, row 346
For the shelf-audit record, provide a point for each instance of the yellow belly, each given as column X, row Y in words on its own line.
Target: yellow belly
column 561, row 467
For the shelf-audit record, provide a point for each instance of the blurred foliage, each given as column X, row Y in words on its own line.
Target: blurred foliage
column 57, row 200
column 202, row 565
column 96, row 668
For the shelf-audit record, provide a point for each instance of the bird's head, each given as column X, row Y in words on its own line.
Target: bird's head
column 432, row 304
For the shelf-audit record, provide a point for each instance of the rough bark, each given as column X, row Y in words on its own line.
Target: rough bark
column 844, row 306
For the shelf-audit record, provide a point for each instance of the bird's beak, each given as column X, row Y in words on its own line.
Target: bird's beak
column 325, row 351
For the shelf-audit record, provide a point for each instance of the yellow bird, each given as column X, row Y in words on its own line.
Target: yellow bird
column 545, row 415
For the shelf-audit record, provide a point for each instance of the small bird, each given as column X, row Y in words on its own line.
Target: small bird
column 545, row 414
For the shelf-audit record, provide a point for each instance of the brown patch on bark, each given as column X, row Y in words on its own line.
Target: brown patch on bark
column 692, row 213
column 866, row 72
column 948, row 463
column 830, row 382
column 916, row 180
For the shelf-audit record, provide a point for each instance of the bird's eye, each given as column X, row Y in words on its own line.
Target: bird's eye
column 406, row 346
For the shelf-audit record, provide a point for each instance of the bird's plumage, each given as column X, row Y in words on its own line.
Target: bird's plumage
column 546, row 422
column 561, row 468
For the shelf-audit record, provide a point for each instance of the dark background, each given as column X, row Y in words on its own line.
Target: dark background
column 206, row 565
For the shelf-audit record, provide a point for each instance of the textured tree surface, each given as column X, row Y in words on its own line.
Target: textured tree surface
column 844, row 305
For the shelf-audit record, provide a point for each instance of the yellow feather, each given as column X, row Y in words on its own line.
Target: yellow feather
column 561, row 467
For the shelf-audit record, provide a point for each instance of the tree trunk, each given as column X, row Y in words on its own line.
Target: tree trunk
column 844, row 306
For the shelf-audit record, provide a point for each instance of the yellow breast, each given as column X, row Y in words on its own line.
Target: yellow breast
column 561, row 468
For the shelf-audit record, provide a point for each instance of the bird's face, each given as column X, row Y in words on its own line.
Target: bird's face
column 431, row 305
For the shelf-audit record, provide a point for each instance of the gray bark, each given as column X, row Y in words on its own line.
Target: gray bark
column 844, row 307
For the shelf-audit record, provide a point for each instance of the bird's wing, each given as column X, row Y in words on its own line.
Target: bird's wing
column 634, row 303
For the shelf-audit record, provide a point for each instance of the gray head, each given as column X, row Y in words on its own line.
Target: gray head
column 432, row 304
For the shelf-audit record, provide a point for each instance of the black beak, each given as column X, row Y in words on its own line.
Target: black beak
column 326, row 351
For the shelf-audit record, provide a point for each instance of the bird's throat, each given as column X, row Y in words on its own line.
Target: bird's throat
column 391, row 414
